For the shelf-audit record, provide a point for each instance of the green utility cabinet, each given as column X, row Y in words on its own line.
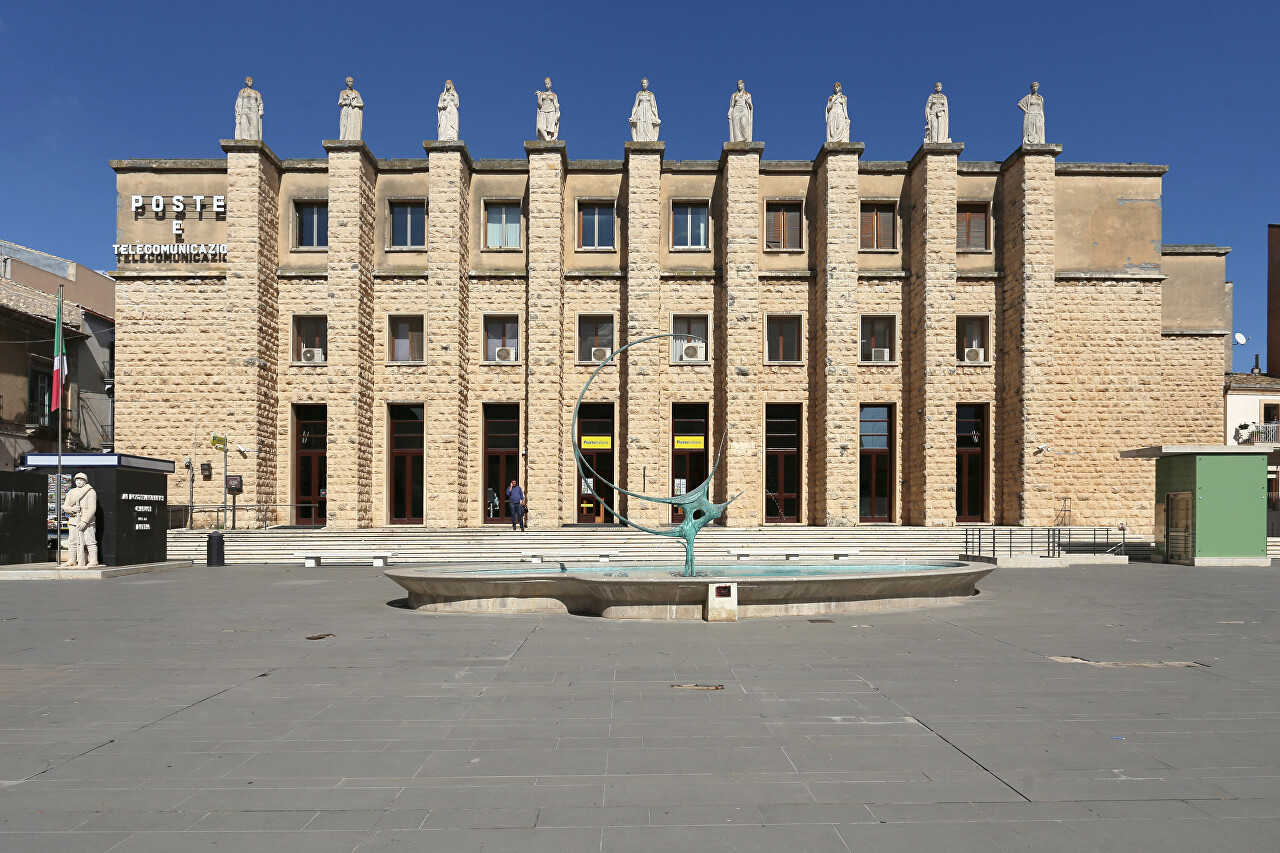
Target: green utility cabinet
column 1211, row 504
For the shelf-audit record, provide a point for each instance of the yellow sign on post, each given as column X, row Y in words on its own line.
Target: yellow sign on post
column 218, row 441
column 597, row 442
column 690, row 442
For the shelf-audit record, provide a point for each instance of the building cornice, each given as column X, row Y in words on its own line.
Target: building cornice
column 344, row 146
column 201, row 165
column 250, row 146
column 1201, row 249
column 432, row 146
column 1143, row 170
column 934, row 149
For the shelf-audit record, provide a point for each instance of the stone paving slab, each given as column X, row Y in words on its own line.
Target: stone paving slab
column 191, row 711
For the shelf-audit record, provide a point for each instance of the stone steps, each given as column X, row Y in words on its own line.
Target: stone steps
column 501, row 544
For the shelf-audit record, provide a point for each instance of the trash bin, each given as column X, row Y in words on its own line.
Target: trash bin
column 215, row 550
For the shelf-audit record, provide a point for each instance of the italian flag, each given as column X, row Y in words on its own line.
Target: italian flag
column 59, row 362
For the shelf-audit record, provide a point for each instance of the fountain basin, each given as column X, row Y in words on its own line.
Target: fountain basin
column 660, row 592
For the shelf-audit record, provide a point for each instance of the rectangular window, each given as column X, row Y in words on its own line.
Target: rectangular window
column 971, row 466
column 408, row 224
column 689, row 225
column 502, row 225
column 875, row 463
column 690, row 342
column 879, row 341
column 972, row 345
column 501, row 337
column 310, row 339
column 782, row 487
column 878, row 226
column 595, row 225
column 971, row 227
column 39, row 397
column 313, row 224
column 501, row 459
column 405, row 340
column 783, row 338
column 595, row 337
column 782, row 225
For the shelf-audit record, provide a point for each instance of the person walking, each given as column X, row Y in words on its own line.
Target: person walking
column 515, row 500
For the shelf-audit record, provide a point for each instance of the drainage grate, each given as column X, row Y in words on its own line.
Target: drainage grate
column 1150, row 664
column 698, row 686
column 822, row 621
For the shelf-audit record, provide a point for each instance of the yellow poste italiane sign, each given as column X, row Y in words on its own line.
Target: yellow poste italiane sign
column 690, row 442
column 597, row 442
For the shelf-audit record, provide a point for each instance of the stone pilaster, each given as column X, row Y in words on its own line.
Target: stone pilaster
column 1026, row 376
column 546, row 414
column 739, row 340
column 645, row 424
column 928, row 339
column 352, row 173
column 250, row 320
column 448, row 350
column 834, row 467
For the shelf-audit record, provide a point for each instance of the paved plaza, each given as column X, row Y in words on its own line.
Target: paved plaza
column 286, row 709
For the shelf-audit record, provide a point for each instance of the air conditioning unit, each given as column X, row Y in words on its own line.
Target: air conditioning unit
column 977, row 354
column 694, row 352
column 505, row 354
column 312, row 355
column 880, row 354
column 599, row 354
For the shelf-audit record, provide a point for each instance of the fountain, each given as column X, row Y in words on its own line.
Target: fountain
column 658, row 591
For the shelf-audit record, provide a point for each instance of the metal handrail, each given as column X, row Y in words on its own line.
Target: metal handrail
column 1045, row 541
column 223, row 514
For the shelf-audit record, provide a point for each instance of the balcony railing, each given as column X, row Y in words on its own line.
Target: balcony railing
column 1262, row 434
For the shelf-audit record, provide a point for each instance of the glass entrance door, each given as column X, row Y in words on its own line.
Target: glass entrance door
column 407, row 435
column 595, row 440
column 310, row 427
column 688, row 451
column 875, row 464
column 971, row 463
column 782, row 462
column 501, row 458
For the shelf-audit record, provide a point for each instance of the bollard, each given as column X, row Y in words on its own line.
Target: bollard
column 215, row 550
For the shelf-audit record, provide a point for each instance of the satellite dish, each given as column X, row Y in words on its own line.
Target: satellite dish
column 1241, row 339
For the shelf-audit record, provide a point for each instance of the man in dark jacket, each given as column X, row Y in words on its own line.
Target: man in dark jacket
column 515, row 499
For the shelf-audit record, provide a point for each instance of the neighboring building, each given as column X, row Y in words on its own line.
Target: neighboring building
column 1253, row 399
column 28, row 313
column 929, row 342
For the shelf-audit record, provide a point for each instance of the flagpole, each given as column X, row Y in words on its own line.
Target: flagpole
column 57, row 484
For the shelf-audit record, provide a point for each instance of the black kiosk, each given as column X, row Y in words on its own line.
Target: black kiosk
column 133, row 515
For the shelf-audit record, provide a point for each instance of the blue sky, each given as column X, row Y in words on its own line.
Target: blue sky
column 1187, row 85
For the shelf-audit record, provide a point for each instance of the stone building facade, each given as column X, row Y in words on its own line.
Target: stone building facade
column 924, row 342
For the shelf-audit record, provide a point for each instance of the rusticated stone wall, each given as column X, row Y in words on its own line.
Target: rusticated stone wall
column 837, row 379
column 929, row 342
column 740, row 346
column 1079, row 368
column 351, row 427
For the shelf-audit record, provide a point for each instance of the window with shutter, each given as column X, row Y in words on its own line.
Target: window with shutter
column 783, row 225
column 877, row 226
column 406, row 338
column 971, row 227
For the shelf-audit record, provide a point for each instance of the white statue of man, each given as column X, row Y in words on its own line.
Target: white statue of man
column 837, row 116
column 644, row 115
column 351, row 114
column 937, row 126
column 447, row 114
column 249, row 112
column 548, row 113
column 1032, row 107
column 741, row 115
column 81, row 507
